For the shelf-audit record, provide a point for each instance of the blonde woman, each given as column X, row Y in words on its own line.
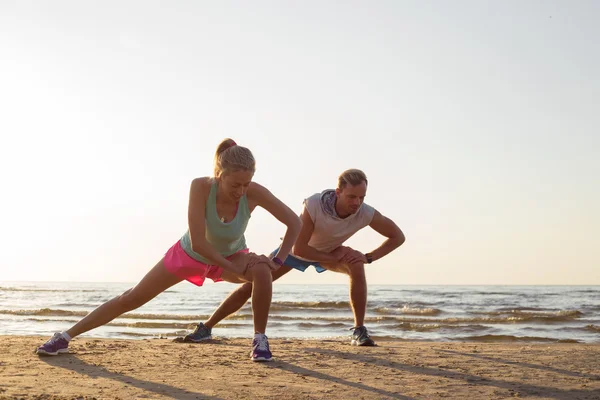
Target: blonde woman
column 213, row 247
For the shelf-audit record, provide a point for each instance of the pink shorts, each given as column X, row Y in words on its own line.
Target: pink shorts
column 185, row 267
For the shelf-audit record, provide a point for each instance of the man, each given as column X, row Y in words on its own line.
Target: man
column 328, row 219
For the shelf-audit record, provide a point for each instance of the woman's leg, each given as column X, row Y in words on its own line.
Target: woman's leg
column 262, row 290
column 155, row 282
column 259, row 274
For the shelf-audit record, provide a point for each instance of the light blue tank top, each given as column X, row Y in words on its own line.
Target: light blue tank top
column 226, row 237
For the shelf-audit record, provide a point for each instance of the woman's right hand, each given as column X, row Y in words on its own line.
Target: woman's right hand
column 241, row 263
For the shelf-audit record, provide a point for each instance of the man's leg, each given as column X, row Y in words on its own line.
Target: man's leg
column 238, row 298
column 358, row 288
column 358, row 299
column 358, row 293
column 231, row 304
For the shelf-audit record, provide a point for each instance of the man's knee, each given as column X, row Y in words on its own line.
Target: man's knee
column 356, row 269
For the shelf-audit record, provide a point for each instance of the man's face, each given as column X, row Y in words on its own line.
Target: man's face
column 351, row 197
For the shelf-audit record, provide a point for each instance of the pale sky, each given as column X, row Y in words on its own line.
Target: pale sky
column 477, row 124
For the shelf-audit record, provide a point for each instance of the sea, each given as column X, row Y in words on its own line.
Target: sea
column 565, row 314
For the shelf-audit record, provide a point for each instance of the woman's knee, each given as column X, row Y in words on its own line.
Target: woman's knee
column 260, row 272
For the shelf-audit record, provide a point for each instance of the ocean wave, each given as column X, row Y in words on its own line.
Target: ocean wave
column 17, row 289
column 408, row 310
column 449, row 295
column 509, row 319
column 312, row 325
column 78, row 313
column 409, row 326
column 428, row 327
column 50, row 320
column 528, row 315
column 513, row 309
column 46, row 311
column 592, row 328
column 379, row 338
column 492, row 293
column 154, row 325
column 292, row 305
column 472, row 293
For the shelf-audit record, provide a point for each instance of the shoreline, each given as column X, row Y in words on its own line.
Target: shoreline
column 327, row 369
column 342, row 339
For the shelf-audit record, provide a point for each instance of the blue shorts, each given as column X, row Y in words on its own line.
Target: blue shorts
column 299, row 264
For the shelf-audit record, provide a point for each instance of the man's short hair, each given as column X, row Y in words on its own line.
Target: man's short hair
column 353, row 177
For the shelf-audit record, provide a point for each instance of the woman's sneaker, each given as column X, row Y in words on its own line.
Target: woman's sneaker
column 260, row 348
column 361, row 337
column 55, row 345
column 201, row 333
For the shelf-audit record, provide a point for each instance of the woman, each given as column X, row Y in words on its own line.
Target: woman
column 213, row 247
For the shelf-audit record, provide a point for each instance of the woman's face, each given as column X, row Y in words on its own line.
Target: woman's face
column 235, row 184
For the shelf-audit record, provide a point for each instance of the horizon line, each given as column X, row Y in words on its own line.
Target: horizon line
column 327, row 284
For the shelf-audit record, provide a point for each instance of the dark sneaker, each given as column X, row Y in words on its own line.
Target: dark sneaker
column 260, row 348
column 201, row 333
column 360, row 337
column 56, row 344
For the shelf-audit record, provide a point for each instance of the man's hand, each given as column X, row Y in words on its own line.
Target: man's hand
column 340, row 252
column 348, row 255
column 353, row 257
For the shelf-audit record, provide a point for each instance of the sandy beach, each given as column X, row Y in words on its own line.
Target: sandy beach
column 303, row 369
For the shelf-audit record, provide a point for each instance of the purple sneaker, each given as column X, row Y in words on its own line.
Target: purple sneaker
column 260, row 348
column 56, row 344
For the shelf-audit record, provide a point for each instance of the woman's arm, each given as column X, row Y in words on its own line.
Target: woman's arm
column 264, row 198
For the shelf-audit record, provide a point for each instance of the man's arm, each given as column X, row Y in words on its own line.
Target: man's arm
column 301, row 247
column 389, row 229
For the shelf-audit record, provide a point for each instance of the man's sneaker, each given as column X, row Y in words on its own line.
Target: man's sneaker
column 360, row 337
column 201, row 333
column 260, row 348
column 56, row 344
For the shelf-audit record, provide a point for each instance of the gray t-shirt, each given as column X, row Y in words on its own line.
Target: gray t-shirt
column 331, row 231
